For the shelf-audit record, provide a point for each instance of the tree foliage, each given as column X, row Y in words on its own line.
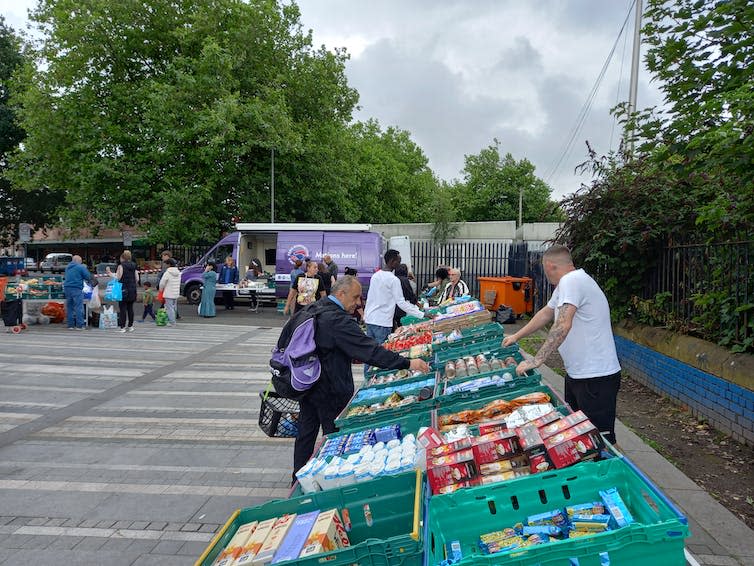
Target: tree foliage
column 492, row 185
column 164, row 114
column 691, row 178
column 33, row 206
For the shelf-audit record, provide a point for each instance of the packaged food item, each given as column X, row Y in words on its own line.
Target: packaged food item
column 546, row 419
column 574, row 444
column 294, row 541
column 488, row 426
column 593, row 508
column 255, row 542
column 495, row 363
column 461, row 370
column 555, row 517
column 274, row 540
column 530, row 399
column 471, row 367
column 451, row 469
column 591, row 523
column 461, row 444
column 327, row 534
column 516, row 463
column 450, row 370
column 616, row 507
column 482, row 364
column 430, row 438
column 235, row 546
column 453, row 551
column 494, row 446
column 533, row 446
column 561, row 424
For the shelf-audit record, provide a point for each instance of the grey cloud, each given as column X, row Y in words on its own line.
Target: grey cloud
column 521, row 57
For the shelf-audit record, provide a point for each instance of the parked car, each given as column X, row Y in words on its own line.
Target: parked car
column 55, row 262
column 31, row 264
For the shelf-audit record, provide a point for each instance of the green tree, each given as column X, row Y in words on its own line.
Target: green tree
column 164, row 113
column 702, row 54
column 33, row 206
column 492, row 186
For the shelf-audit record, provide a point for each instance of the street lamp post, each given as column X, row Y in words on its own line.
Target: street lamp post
column 272, row 188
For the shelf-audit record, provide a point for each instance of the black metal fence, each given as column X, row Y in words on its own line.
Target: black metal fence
column 188, row 254
column 707, row 290
column 481, row 259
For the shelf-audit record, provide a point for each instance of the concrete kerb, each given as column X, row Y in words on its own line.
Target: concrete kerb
column 718, row 536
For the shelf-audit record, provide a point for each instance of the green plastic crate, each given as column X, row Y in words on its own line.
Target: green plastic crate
column 388, row 416
column 487, row 347
column 397, row 504
column 421, row 377
column 410, row 423
column 478, row 399
column 472, row 335
column 532, row 378
column 441, row 368
column 412, row 388
column 656, row 539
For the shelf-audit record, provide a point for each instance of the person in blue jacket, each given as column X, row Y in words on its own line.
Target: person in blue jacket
column 75, row 275
column 228, row 275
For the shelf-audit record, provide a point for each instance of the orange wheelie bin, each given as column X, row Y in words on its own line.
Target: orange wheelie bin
column 514, row 292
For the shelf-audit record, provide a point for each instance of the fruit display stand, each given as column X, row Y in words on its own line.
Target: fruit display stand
column 384, row 514
column 655, row 538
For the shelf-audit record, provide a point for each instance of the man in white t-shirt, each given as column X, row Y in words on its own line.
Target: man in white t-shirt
column 384, row 294
column 584, row 337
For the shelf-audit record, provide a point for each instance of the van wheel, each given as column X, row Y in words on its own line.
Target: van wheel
column 194, row 294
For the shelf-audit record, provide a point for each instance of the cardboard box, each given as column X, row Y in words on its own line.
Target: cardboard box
column 456, row 446
column 451, row 469
column 533, row 446
column 486, row 427
column 255, row 542
column 515, row 463
column 430, row 438
column 274, row 540
column 546, row 419
column 296, row 538
column 327, row 534
column 562, row 424
column 235, row 544
column 495, row 446
column 574, row 444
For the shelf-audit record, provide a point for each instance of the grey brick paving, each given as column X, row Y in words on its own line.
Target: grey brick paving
column 167, row 547
column 90, row 543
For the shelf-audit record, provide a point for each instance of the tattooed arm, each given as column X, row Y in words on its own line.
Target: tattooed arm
column 555, row 338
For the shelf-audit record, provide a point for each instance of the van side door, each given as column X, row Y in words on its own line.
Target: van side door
column 292, row 246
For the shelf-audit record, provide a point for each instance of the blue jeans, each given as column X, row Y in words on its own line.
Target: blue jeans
column 380, row 334
column 74, row 307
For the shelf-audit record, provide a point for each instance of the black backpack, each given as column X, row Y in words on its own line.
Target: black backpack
column 295, row 365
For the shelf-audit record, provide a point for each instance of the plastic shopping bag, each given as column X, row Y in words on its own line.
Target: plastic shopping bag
column 114, row 291
column 95, row 303
column 161, row 319
column 86, row 291
column 108, row 318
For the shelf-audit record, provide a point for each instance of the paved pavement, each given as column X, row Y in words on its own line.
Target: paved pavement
column 135, row 448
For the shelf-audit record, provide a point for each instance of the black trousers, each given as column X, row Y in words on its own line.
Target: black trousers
column 228, row 299
column 125, row 313
column 312, row 415
column 597, row 397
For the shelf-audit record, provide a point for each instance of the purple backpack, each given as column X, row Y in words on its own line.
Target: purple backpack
column 294, row 364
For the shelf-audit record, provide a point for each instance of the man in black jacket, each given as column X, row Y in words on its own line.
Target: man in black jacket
column 339, row 341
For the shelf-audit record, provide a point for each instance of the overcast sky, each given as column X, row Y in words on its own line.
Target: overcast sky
column 458, row 73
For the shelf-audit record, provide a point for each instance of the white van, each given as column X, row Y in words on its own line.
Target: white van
column 55, row 262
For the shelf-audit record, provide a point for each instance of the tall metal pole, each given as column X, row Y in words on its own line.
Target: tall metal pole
column 521, row 206
column 635, row 62
column 272, row 188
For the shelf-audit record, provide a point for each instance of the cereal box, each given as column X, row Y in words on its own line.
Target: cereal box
column 255, row 542
column 451, row 469
column 235, row 545
column 562, row 424
column 274, row 540
column 327, row 534
column 296, row 538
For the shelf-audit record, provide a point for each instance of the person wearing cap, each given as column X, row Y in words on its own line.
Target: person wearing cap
column 341, row 342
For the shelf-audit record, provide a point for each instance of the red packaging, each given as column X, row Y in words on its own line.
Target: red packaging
column 460, row 444
column 495, row 446
column 576, row 443
column 562, row 424
column 532, row 444
column 546, row 419
column 487, row 427
column 528, row 437
column 455, row 468
column 516, row 463
column 430, row 438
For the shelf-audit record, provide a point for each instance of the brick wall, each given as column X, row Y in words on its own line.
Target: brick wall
column 725, row 405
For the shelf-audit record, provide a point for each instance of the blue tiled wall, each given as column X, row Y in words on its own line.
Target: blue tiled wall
column 727, row 406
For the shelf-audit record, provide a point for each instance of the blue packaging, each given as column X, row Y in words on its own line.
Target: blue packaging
column 616, row 507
